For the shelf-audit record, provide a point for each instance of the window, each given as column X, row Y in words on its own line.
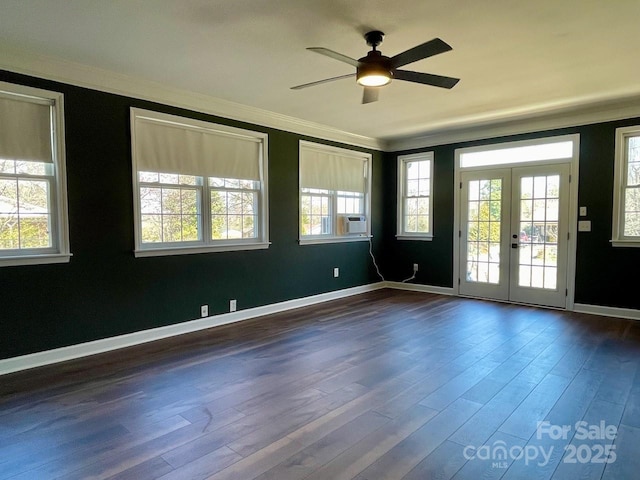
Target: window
column 334, row 194
column 199, row 187
column 546, row 149
column 33, row 203
column 626, row 201
column 415, row 187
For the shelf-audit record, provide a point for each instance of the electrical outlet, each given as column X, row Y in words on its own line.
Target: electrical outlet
column 232, row 305
column 204, row 310
column 336, row 272
column 415, row 267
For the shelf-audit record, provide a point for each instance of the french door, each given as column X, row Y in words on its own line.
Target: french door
column 514, row 234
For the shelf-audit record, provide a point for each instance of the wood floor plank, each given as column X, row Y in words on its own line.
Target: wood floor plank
column 570, row 468
column 441, row 464
column 522, row 422
column 326, row 449
column 567, row 411
column 627, row 464
column 404, row 456
column 490, row 465
column 355, row 459
column 387, row 384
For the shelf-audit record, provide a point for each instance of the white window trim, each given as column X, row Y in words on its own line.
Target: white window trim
column 205, row 245
column 60, row 251
column 402, row 161
column 320, row 239
column 617, row 237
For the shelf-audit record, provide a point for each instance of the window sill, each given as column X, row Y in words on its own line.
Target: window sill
column 43, row 259
column 165, row 251
column 422, row 238
column 625, row 243
column 317, row 241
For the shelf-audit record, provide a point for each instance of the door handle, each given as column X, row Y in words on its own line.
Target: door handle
column 514, row 245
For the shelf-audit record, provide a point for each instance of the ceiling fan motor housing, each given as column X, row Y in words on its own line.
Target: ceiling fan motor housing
column 374, row 64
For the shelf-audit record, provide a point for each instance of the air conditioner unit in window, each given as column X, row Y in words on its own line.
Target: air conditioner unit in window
column 354, row 224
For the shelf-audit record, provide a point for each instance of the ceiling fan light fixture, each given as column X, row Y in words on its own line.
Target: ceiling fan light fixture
column 373, row 71
column 373, row 80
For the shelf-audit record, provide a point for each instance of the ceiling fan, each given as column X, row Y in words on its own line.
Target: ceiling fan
column 376, row 70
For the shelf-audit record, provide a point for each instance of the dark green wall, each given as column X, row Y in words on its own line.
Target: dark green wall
column 605, row 275
column 105, row 291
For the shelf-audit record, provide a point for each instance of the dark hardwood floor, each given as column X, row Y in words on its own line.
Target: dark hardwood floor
column 384, row 385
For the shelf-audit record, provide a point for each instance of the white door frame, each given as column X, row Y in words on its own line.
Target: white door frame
column 573, row 199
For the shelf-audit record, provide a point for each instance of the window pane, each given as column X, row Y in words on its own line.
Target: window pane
column 148, row 177
column 234, row 202
column 9, row 231
column 248, row 203
column 189, row 202
column 216, row 182
column 413, row 170
column 315, row 213
column 529, row 153
column 424, row 187
column 413, row 187
column 218, row 227
column 169, row 178
column 188, row 180
column 233, row 214
column 234, row 223
column 8, row 196
column 24, row 214
column 171, row 203
column 423, row 223
column 411, row 223
column 150, row 200
column 632, row 199
column 34, row 196
column 248, row 226
column 33, row 168
column 632, row 224
column 190, row 228
column 34, row 231
column 169, row 215
column 7, row 166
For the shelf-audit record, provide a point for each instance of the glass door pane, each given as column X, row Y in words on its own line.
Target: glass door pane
column 484, row 220
column 540, row 217
column 484, row 233
column 538, row 237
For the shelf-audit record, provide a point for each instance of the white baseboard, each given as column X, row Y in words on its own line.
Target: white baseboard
column 607, row 311
column 416, row 287
column 39, row 359
column 71, row 352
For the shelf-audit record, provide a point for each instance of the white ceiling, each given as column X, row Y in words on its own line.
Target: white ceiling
column 515, row 58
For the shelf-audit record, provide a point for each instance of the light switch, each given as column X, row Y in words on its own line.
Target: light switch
column 583, row 211
column 584, row 226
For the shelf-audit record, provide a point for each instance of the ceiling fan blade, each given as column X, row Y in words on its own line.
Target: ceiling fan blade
column 334, row 55
column 320, row 82
column 370, row 94
column 425, row 78
column 427, row 49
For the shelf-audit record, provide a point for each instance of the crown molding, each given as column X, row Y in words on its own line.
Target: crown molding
column 572, row 113
column 64, row 71
column 500, row 124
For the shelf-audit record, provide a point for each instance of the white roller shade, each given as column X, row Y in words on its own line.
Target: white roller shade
column 25, row 130
column 331, row 171
column 174, row 148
